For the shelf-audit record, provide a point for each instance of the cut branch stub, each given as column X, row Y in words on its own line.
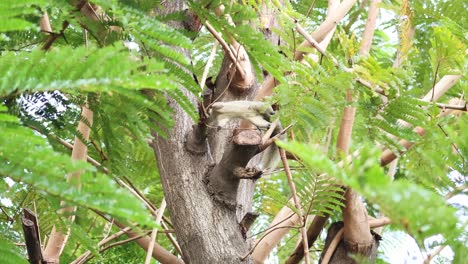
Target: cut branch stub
column 32, row 238
column 242, row 76
column 223, row 181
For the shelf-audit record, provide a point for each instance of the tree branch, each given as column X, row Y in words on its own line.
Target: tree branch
column 44, row 24
column 435, row 253
column 373, row 223
column 356, row 234
column 118, row 243
column 128, row 186
column 312, row 234
column 225, row 46
column 318, row 35
column 369, row 30
column 242, row 73
column 84, row 256
column 297, row 204
column 58, row 239
column 332, row 247
column 159, row 253
column 155, row 231
column 267, row 245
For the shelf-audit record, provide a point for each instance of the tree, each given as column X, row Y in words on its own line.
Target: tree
column 122, row 84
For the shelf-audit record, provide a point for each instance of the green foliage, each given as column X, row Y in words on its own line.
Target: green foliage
column 41, row 94
column 31, row 163
column 9, row 253
column 14, row 15
column 319, row 193
column 404, row 202
column 79, row 68
column 445, row 52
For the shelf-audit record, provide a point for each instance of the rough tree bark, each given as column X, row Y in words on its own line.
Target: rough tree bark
column 200, row 172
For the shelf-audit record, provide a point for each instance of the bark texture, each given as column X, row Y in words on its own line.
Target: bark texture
column 207, row 231
column 201, row 186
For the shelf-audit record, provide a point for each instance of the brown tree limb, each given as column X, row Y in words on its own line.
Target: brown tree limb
column 279, row 227
column 44, row 24
column 132, row 188
column 369, row 30
column 322, row 51
column 227, row 49
column 356, row 229
column 54, row 36
column 159, row 253
column 58, row 238
column 462, row 107
column 242, row 74
column 118, row 243
column 441, row 88
column 332, row 247
column 346, row 126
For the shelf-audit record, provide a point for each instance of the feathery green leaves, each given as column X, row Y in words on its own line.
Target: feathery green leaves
column 404, row 202
column 27, row 158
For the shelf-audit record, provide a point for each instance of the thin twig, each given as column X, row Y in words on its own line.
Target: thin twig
column 153, row 211
column 9, row 218
column 316, row 45
column 297, row 204
column 225, row 89
column 207, row 70
column 117, row 244
column 208, row 65
column 455, row 191
column 435, row 253
column 266, row 234
column 102, row 242
column 453, row 107
column 226, row 48
column 132, row 188
column 271, row 140
column 310, row 8
column 149, row 254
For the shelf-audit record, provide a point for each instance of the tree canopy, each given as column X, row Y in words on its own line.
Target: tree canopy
column 381, row 116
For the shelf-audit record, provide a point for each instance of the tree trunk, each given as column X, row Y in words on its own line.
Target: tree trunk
column 197, row 174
